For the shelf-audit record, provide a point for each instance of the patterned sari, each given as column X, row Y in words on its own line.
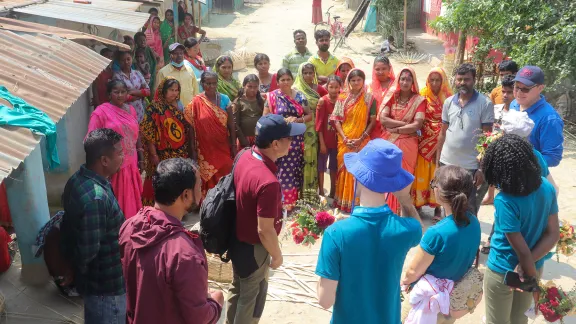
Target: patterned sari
column 353, row 112
column 290, row 167
column 164, row 126
column 380, row 95
column 167, row 34
column 154, row 41
column 310, row 179
column 428, row 142
column 210, row 124
column 227, row 87
column 126, row 183
column 408, row 143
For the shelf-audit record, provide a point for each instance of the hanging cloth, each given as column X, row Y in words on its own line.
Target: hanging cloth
column 24, row 115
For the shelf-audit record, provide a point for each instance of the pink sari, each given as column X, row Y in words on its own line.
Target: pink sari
column 126, row 183
column 154, row 40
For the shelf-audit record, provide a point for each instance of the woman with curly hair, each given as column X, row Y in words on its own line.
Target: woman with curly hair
column 526, row 230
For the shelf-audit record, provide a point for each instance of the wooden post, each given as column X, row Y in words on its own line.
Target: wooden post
column 405, row 24
column 193, row 11
column 199, row 15
column 175, row 6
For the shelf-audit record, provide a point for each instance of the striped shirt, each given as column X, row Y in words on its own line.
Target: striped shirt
column 293, row 60
column 89, row 234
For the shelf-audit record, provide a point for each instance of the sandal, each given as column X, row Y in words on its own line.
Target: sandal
column 485, row 250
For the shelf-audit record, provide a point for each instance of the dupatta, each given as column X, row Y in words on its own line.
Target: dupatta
column 311, row 95
column 433, row 122
column 344, row 60
column 227, row 87
column 380, row 94
column 167, row 33
column 348, row 102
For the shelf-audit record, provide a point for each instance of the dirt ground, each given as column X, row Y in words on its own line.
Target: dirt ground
column 268, row 29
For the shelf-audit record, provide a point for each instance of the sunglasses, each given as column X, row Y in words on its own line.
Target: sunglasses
column 524, row 90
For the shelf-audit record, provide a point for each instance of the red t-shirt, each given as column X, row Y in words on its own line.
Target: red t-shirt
column 323, row 124
column 321, row 91
column 101, row 84
column 258, row 194
column 4, row 252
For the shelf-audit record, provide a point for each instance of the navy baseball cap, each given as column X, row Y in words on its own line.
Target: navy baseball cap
column 530, row 76
column 273, row 127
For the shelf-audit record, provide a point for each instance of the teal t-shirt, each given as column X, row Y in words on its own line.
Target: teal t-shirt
column 365, row 254
column 454, row 247
column 527, row 215
column 542, row 162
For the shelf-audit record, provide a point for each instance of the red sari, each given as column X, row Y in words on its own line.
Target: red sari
column 408, row 143
column 380, row 95
column 210, row 124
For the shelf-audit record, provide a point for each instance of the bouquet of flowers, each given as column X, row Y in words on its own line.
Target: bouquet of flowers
column 555, row 304
column 484, row 139
column 567, row 243
column 311, row 219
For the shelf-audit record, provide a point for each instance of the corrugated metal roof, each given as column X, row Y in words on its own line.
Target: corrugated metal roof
column 48, row 72
column 30, row 27
column 121, row 5
column 88, row 14
column 9, row 4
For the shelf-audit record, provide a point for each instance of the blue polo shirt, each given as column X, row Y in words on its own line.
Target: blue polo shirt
column 365, row 254
column 547, row 136
column 453, row 246
column 527, row 215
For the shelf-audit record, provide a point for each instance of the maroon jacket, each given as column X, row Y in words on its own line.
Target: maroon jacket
column 165, row 271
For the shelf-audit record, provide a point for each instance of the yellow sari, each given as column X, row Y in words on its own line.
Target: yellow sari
column 353, row 112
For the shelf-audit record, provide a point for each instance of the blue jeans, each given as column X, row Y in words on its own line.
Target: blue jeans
column 105, row 309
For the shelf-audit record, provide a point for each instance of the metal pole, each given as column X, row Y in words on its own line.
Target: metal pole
column 405, row 24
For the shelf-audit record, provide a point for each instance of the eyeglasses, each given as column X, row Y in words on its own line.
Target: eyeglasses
column 433, row 183
column 460, row 118
column 524, row 90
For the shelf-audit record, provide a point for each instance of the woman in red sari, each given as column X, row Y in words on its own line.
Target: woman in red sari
column 382, row 80
column 213, row 132
column 401, row 118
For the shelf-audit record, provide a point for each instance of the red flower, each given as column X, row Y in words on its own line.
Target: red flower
column 554, row 303
column 298, row 237
column 552, row 293
column 314, row 235
column 485, row 145
column 549, row 314
column 323, row 219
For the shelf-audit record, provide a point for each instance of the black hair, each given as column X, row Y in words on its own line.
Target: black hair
column 508, row 66
column 100, row 142
column 207, row 74
column 260, row 57
column 282, row 72
column 334, row 78
column 466, row 68
column 510, row 165
column 358, row 73
column 156, row 17
column 299, row 31
column 390, row 38
column 262, row 143
column 508, row 81
column 140, row 50
column 223, row 59
column 190, row 42
column 138, row 35
column 382, row 59
column 114, row 83
column 309, row 65
column 189, row 15
column 120, row 54
column 167, row 11
column 455, row 185
column 247, row 79
column 171, row 178
column 153, row 10
column 321, row 33
column 128, row 38
column 105, row 51
column 168, row 84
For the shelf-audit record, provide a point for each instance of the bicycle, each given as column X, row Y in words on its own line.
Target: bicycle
column 337, row 29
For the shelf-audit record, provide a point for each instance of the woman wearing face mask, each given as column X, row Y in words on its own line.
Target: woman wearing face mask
column 212, row 132
column 436, row 91
column 307, row 83
column 189, row 29
column 154, row 39
column 401, row 118
column 167, row 32
column 354, row 116
column 226, row 83
column 293, row 106
column 121, row 117
column 164, row 132
column 138, row 88
column 382, row 80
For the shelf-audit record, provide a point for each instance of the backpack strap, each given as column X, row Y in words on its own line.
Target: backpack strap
column 238, row 158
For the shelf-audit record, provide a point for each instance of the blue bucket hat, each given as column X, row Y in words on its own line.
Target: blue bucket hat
column 378, row 167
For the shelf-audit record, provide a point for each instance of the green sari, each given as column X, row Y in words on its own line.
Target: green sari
column 167, row 33
column 310, row 182
column 229, row 88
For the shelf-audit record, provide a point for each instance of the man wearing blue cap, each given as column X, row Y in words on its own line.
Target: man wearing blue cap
column 547, row 135
column 258, row 218
column 361, row 258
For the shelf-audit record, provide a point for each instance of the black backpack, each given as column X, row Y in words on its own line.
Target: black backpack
column 218, row 215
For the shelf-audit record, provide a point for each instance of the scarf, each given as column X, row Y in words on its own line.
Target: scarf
column 227, row 87
column 445, row 92
column 311, row 95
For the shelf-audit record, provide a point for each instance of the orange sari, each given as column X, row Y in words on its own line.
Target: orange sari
column 428, row 142
column 353, row 112
column 408, row 143
column 380, row 95
column 210, row 124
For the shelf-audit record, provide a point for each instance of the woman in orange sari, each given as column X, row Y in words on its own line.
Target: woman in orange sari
column 354, row 117
column 343, row 68
column 382, row 79
column 401, row 118
column 436, row 91
column 213, row 132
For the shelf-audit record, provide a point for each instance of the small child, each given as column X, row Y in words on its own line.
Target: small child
column 327, row 135
column 388, row 46
column 142, row 65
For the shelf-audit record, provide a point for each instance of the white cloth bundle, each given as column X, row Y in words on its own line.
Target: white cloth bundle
column 429, row 297
column 518, row 123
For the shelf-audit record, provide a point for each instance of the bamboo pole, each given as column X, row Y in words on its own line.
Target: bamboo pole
column 405, row 24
